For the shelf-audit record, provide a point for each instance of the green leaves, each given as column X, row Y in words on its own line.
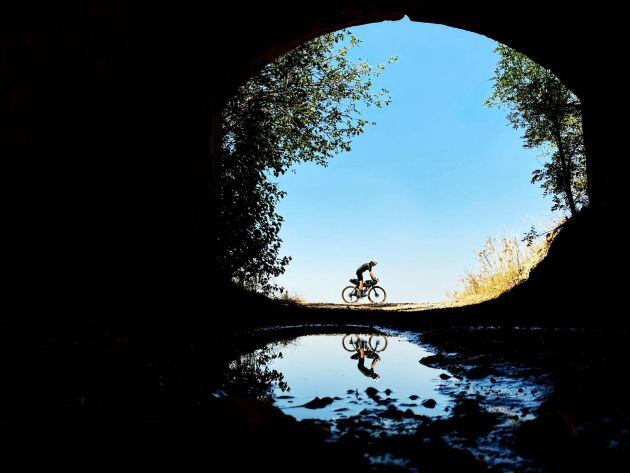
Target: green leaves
column 303, row 107
column 549, row 115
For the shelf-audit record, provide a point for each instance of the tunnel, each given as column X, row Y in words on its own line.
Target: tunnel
column 118, row 324
column 112, row 124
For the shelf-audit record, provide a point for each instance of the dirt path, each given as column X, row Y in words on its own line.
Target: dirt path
column 395, row 307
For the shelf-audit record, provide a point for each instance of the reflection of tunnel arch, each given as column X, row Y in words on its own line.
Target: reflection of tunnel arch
column 112, row 123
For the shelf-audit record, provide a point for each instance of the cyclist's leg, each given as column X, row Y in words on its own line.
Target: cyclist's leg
column 360, row 278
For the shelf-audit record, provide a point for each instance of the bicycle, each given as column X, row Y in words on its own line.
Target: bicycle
column 376, row 294
column 375, row 343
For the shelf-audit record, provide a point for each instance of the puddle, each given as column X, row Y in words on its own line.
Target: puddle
column 373, row 385
column 323, row 366
column 293, row 373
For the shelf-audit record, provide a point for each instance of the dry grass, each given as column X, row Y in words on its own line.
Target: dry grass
column 504, row 263
column 291, row 298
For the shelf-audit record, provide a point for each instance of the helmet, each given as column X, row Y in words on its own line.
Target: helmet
column 374, row 262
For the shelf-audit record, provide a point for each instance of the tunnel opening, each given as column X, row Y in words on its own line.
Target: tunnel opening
column 391, row 85
column 123, row 329
column 141, row 96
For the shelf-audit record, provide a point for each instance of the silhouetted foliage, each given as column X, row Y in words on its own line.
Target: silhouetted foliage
column 530, row 236
column 250, row 374
column 551, row 117
column 303, row 107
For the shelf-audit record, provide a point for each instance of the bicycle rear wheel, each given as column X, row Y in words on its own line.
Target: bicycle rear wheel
column 349, row 295
column 377, row 295
column 350, row 342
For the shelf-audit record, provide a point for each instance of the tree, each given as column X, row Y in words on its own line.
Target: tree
column 304, row 107
column 551, row 117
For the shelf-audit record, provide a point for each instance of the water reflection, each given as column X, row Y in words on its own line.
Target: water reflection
column 251, row 374
column 294, row 373
column 365, row 347
column 310, row 377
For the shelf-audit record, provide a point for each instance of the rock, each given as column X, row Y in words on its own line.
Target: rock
column 444, row 376
column 314, row 430
column 478, row 372
column 493, row 380
column 466, row 407
column 351, row 391
column 388, row 392
column 392, row 413
column 434, row 361
column 318, row 403
column 284, row 396
column 413, row 397
column 429, row 403
column 371, row 391
column 469, row 419
column 383, row 402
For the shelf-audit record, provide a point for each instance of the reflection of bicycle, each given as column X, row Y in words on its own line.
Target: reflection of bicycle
column 374, row 293
column 374, row 343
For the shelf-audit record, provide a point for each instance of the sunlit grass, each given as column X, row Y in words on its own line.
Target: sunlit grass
column 503, row 263
column 291, row 298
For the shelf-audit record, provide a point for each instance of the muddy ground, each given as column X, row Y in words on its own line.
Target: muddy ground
column 580, row 426
column 86, row 392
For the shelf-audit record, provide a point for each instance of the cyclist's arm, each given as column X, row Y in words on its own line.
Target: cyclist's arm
column 373, row 276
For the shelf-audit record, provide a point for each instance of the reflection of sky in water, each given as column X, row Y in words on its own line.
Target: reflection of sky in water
column 319, row 366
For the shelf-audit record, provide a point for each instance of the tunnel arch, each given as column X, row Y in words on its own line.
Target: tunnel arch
column 538, row 30
column 535, row 42
column 369, row 16
column 112, row 122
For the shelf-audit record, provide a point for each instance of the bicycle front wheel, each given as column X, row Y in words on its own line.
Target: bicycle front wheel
column 378, row 343
column 377, row 295
column 349, row 295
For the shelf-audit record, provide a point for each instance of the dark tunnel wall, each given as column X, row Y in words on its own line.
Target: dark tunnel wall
column 111, row 124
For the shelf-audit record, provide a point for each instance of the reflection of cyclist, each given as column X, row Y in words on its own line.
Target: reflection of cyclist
column 369, row 372
column 362, row 269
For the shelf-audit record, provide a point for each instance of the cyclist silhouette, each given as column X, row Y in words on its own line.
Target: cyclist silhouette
column 361, row 355
column 362, row 269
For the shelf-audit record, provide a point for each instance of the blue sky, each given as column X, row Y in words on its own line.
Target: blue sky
column 423, row 188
